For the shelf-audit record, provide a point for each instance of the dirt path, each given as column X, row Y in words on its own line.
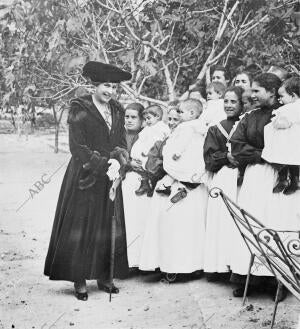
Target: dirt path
column 30, row 179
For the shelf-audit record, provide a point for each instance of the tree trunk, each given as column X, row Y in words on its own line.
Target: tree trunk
column 56, row 138
column 56, row 123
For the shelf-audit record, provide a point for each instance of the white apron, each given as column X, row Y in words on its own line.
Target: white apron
column 135, row 210
column 174, row 236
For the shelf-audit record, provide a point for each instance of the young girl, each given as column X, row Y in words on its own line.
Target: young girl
column 220, row 228
column 281, row 133
column 133, row 123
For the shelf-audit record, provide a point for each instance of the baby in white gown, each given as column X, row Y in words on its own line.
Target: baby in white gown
column 183, row 153
column 155, row 130
column 282, row 136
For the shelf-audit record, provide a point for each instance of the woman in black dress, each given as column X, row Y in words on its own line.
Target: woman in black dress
column 80, row 243
column 256, row 194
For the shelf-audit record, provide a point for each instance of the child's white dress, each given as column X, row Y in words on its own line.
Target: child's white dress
column 212, row 114
column 281, row 145
column 186, row 141
column 147, row 138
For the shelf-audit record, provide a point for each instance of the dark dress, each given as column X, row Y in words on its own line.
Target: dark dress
column 80, row 243
column 215, row 149
column 247, row 142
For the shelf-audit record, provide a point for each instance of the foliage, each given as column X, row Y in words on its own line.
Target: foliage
column 167, row 45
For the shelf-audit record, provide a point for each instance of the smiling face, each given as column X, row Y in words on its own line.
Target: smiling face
column 261, row 96
column 242, row 80
column 232, row 105
column 132, row 120
column 105, row 91
column 173, row 119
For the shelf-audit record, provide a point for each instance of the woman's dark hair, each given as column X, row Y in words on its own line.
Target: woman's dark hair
column 238, row 91
column 200, row 87
column 269, row 81
column 292, row 86
column 136, row 107
column 223, row 69
column 249, row 75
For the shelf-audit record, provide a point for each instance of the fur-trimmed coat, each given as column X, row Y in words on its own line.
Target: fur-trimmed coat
column 81, row 236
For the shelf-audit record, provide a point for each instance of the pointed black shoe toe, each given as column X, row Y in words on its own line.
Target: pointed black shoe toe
column 81, row 295
column 113, row 290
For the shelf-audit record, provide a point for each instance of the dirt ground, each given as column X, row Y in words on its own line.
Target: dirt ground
column 30, row 178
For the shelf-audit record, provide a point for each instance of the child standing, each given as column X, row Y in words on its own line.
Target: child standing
column 281, row 133
column 155, row 130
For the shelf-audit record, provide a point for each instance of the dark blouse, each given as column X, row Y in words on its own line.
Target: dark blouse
column 247, row 141
column 215, row 149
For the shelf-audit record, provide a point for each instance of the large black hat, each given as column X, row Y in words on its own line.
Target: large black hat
column 101, row 72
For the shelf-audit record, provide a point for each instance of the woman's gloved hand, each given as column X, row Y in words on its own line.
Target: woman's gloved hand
column 113, row 169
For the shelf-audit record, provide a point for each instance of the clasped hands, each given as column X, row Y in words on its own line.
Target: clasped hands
column 233, row 162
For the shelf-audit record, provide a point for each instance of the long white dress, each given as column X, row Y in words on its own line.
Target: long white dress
column 274, row 210
column 135, row 208
column 220, row 227
column 174, row 235
column 257, row 198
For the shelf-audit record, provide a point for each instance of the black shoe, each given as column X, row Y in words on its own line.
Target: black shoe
column 150, row 193
column 81, row 295
column 143, row 189
column 165, row 191
column 281, row 295
column 292, row 188
column 280, row 186
column 104, row 287
column 181, row 194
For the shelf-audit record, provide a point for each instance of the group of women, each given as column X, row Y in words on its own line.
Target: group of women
column 193, row 234
column 198, row 233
